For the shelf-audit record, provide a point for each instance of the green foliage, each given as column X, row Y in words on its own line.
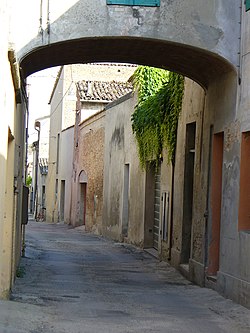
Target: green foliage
column 155, row 119
column 148, row 80
column 28, row 180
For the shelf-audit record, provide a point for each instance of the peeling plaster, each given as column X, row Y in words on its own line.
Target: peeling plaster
column 211, row 36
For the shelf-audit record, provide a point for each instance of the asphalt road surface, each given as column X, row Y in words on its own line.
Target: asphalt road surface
column 76, row 282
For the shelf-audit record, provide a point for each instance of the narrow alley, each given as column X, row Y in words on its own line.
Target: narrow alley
column 72, row 281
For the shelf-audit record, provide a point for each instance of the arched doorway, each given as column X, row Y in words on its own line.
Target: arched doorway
column 82, row 192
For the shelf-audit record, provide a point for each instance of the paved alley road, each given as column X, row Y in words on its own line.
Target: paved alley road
column 75, row 282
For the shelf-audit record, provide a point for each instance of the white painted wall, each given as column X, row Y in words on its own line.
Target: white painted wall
column 120, row 149
column 65, row 171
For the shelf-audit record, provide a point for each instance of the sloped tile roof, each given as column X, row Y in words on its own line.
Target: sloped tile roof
column 102, row 91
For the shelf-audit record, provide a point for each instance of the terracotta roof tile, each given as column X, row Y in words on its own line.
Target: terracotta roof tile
column 102, row 91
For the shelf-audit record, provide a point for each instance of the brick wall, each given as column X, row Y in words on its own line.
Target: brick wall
column 90, row 159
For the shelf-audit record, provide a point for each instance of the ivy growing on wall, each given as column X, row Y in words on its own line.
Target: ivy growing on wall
column 155, row 119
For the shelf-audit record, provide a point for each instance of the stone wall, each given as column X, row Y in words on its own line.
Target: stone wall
column 199, row 39
column 12, row 143
column 90, row 151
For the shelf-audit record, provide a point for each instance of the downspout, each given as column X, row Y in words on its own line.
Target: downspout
column 48, row 22
column 171, row 212
column 240, row 45
column 40, row 30
column 206, row 214
column 37, row 128
column 15, row 72
column 25, row 100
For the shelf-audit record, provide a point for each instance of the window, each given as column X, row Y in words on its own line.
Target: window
column 56, row 190
column 150, row 3
column 57, row 152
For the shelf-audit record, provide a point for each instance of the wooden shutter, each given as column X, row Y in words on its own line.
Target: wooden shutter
column 152, row 3
column 147, row 2
column 247, row 5
column 120, row 2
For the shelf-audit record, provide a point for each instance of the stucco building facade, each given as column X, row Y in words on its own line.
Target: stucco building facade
column 187, row 197
column 62, row 112
column 124, row 181
column 87, row 182
column 13, row 106
column 64, row 140
column 40, row 150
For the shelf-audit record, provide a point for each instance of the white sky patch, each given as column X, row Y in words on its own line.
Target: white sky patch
column 28, row 16
column 40, row 87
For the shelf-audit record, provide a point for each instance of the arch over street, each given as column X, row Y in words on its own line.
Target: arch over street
column 197, row 64
column 187, row 37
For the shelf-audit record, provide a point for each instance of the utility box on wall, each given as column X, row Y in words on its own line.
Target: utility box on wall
column 149, row 3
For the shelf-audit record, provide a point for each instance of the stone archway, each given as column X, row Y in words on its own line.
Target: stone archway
column 184, row 37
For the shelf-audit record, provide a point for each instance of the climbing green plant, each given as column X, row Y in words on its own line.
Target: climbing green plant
column 155, row 119
column 147, row 81
column 28, row 180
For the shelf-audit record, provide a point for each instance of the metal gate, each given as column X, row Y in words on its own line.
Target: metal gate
column 157, row 207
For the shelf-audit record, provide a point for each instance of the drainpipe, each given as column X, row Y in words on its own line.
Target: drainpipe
column 40, row 30
column 15, row 72
column 206, row 214
column 37, row 128
column 48, row 22
column 171, row 212
column 240, row 53
column 26, row 161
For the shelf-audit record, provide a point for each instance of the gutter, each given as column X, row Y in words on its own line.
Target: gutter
column 15, row 72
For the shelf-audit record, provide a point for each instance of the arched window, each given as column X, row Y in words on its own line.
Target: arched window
column 83, row 177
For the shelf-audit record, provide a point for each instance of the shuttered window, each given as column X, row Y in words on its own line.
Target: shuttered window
column 247, row 5
column 152, row 3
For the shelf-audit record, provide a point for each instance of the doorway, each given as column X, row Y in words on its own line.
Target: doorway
column 125, row 208
column 157, row 209
column 62, row 200
column 82, row 198
column 188, row 193
column 216, row 193
column 82, row 202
